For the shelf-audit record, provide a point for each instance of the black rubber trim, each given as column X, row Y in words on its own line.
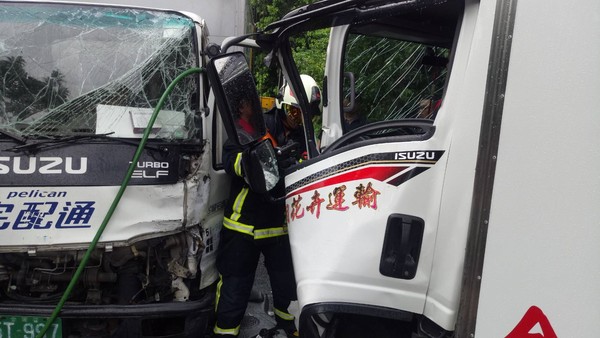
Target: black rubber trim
column 111, row 311
column 309, row 329
column 363, row 143
column 425, row 125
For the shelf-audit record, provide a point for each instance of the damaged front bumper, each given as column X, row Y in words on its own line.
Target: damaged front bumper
column 173, row 319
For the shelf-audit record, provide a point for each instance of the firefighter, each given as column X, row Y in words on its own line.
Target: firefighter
column 253, row 224
column 284, row 121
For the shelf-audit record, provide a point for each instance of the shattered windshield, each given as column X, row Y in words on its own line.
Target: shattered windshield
column 74, row 69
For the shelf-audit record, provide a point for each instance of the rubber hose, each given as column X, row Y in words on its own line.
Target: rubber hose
column 115, row 202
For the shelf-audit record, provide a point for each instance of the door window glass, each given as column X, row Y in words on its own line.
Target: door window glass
column 392, row 79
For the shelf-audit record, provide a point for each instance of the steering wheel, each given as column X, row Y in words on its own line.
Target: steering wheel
column 407, row 126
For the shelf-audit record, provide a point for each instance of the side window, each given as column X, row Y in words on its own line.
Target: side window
column 392, row 79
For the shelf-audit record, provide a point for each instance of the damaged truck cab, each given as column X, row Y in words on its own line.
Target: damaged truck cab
column 453, row 188
column 78, row 85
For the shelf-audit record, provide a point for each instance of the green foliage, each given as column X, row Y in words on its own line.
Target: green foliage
column 310, row 51
column 309, row 48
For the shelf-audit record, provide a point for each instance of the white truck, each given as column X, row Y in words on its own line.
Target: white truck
column 78, row 85
column 454, row 191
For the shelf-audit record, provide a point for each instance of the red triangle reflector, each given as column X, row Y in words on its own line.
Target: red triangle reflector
column 532, row 318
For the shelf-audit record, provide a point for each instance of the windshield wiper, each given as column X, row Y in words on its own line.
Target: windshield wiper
column 10, row 134
column 59, row 141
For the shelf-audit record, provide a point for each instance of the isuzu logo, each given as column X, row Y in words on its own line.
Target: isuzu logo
column 415, row 155
column 43, row 165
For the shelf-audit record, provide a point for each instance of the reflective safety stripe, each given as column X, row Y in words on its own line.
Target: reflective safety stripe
column 283, row 315
column 271, row 232
column 218, row 295
column 239, row 203
column 237, row 166
column 234, row 332
column 237, row 226
column 250, row 230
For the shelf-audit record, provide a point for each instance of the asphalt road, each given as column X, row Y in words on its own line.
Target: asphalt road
column 259, row 314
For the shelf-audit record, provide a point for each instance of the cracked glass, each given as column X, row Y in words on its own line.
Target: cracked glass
column 67, row 70
column 393, row 79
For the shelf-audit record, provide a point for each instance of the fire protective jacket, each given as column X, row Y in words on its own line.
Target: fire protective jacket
column 253, row 214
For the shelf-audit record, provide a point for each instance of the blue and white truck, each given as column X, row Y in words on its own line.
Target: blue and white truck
column 79, row 83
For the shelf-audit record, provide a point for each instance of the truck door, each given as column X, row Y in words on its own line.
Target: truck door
column 363, row 215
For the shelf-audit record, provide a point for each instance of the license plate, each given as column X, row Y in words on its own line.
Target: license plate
column 28, row 327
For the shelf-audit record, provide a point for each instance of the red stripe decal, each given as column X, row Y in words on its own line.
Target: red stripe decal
column 375, row 172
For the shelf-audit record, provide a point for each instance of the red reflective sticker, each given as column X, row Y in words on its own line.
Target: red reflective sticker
column 531, row 319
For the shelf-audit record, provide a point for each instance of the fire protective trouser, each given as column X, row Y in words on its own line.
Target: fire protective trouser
column 237, row 260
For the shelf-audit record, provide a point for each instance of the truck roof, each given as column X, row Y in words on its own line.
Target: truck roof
column 376, row 16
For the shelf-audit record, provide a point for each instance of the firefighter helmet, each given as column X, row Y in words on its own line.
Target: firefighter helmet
column 287, row 100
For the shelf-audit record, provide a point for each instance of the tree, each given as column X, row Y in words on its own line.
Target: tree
column 309, row 48
column 18, row 88
column 54, row 93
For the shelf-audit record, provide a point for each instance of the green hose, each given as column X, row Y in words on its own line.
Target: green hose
column 115, row 202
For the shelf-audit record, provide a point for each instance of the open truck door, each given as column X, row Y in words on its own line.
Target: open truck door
column 364, row 214
column 363, row 210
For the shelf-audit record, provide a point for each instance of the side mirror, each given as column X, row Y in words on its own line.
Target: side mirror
column 241, row 112
column 237, row 98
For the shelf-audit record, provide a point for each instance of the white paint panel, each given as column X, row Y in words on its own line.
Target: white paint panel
column 542, row 248
column 460, row 120
column 337, row 255
column 72, row 215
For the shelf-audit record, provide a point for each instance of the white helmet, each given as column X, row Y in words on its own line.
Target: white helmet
column 313, row 93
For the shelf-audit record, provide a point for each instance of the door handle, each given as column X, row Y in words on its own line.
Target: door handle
column 401, row 246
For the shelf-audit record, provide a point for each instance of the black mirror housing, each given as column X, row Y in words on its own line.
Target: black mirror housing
column 237, row 97
column 260, row 165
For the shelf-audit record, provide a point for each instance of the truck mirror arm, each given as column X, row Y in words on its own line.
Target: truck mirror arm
column 241, row 40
